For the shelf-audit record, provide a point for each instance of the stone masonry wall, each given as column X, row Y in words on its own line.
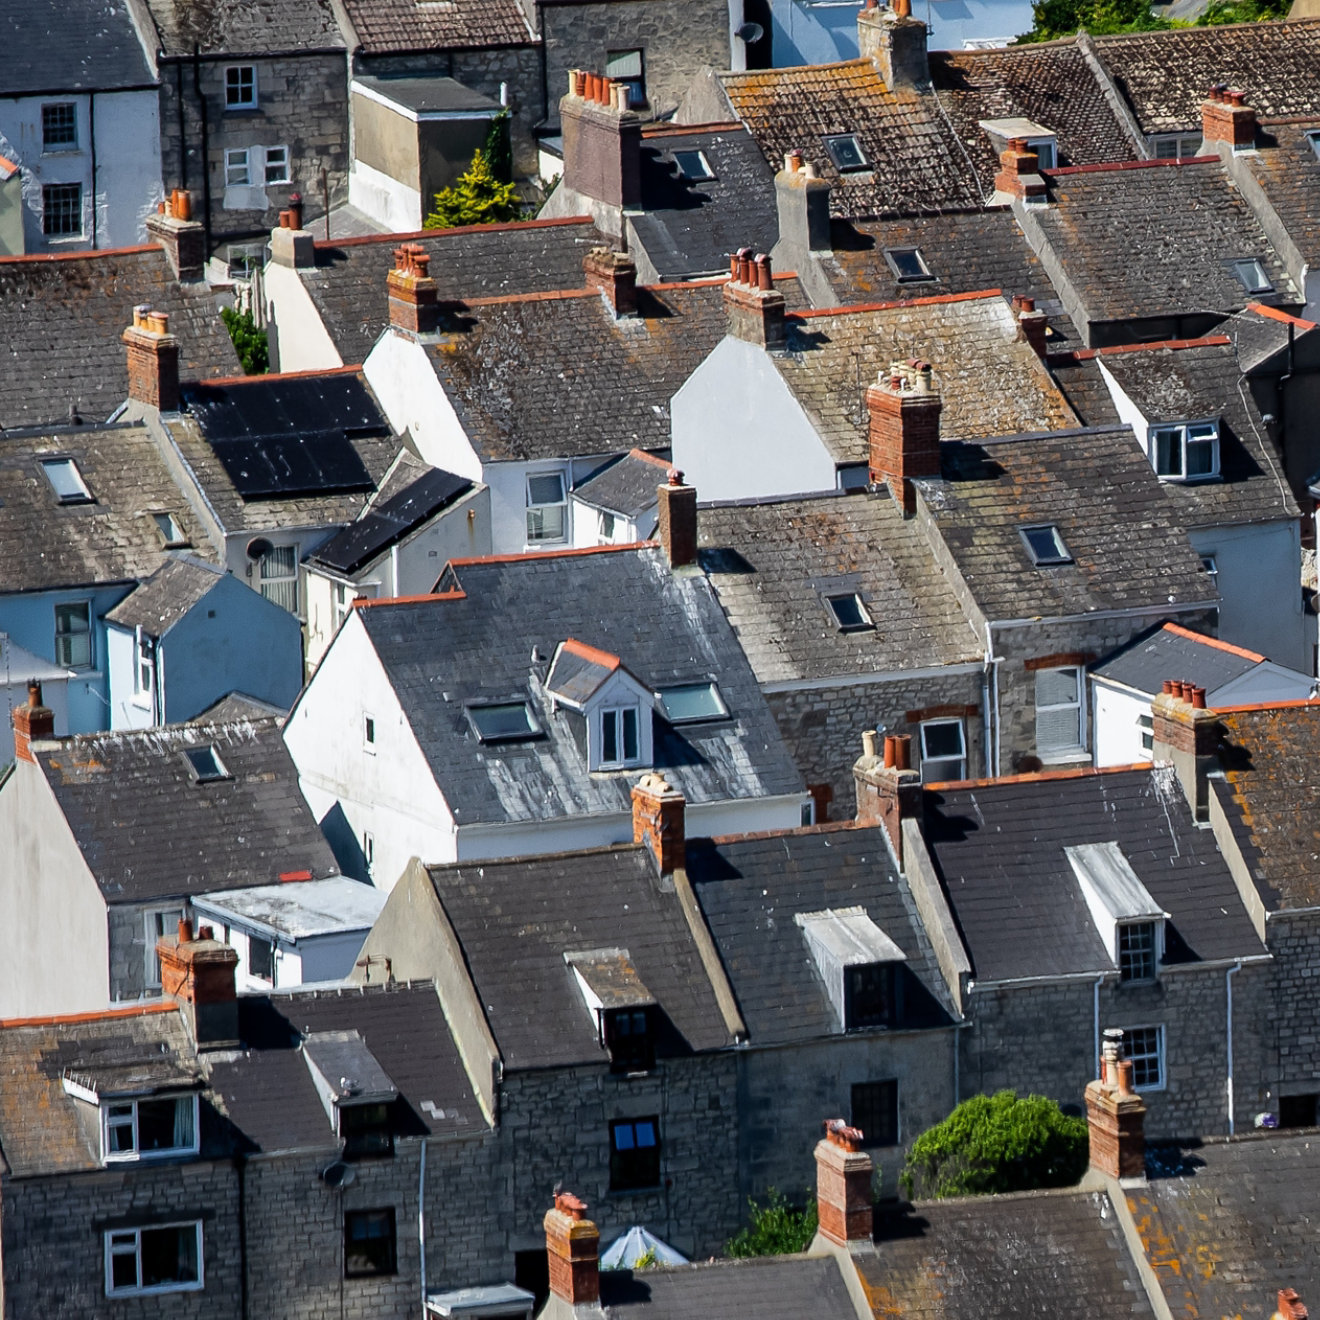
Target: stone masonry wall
column 1294, row 940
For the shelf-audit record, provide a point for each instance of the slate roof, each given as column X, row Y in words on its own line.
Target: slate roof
column 60, row 324
column 774, row 563
column 146, row 830
column 774, row 1288
column 394, row 26
column 1164, row 76
column 166, row 596
column 1127, row 544
column 1271, row 795
column 751, row 888
column 1169, row 650
column 1078, row 376
column 45, row 544
column 1155, row 239
column 1289, row 174
column 1261, row 333
column 999, row 851
column 71, row 46
column 517, row 919
column 666, row 629
column 238, row 27
column 427, row 92
column 627, row 486
column 1002, row 1258
column 347, row 284
column 688, row 228
column 991, row 381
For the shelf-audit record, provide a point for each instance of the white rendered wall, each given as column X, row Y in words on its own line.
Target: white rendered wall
column 1115, row 712
column 387, row 201
column 304, row 343
column 128, row 710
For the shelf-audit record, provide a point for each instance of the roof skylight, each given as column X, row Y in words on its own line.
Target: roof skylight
column 849, row 612
column 205, row 763
column 846, row 153
column 1251, row 274
column 693, row 165
column 908, row 265
column 685, row 703
column 66, row 481
column 1045, row 545
column 503, row 721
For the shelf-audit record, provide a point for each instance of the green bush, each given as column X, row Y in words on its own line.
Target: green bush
column 250, row 340
column 499, row 148
column 997, row 1143
column 476, row 198
column 1061, row 18
column 776, row 1229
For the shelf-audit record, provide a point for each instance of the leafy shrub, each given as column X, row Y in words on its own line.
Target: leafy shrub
column 475, row 198
column 997, row 1143
column 250, row 342
column 776, row 1229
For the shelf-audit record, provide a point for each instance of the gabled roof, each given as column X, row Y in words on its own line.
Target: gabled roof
column 775, row 563
column 517, row 919
column 1289, row 175
column 148, row 830
column 999, row 849
column 667, row 629
column 166, row 596
column 61, row 319
column 71, row 46
column 751, row 889
column 45, row 544
column 395, row 26
column 1170, row 651
column 237, row 27
column 578, row 671
column 1128, row 548
column 347, row 284
column 627, row 486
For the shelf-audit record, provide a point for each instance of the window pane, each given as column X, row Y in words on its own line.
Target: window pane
column 869, row 995
column 846, row 153
column 849, row 612
column 623, row 1136
column 61, row 210
column 609, row 729
column 692, row 701
column 631, row 750
column 1045, row 544
column 1056, row 687
column 59, row 126
column 169, row 1255
column 624, row 64
column 944, row 738
column 509, row 720
column 261, row 958
column 546, row 523
column 907, row 263
column 65, row 480
column 1044, row 154
column 277, row 164
column 693, row 165
column 236, row 169
column 206, row 763
column 160, row 1127
column 1168, row 452
column 73, row 635
column 123, row 1260
column 546, row 488
column 645, row 1134
column 1253, row 277
column 1136, row 951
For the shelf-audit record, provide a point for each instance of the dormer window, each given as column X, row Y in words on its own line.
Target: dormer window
column 859, row 965
column 146, row 1129
column 1138, row 950
column 66, row 481
column 355, row 1091
column 1045, row 546
column 846, row 153
column 629, row 1039
column 620, row 740
column 502, row 721
column 1186, row 452
column 1037, row 137
column 365, row 1130
column 621, row 1007
column 1128, row 920
column 603, row 704
column 1251, row 275
column 908, row 265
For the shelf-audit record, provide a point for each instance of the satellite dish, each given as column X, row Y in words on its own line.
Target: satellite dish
column 258, row 547
column 750, row 33
column 339, row 1174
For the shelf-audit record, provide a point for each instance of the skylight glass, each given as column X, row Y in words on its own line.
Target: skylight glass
column 1045, row 545
column 1251, row 274
column 66, row 481
column 849, row 612
column 908, row 264
column 846, row 153
column 168, row 527
column 689, row 702
column 506, row 721
column 206, row 763
column 693, row 165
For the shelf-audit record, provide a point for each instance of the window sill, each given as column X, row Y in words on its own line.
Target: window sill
column 156, row 1291
column 1065, row 756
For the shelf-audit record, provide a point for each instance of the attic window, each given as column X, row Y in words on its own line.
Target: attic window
column 170, row 532
column 1313, row 138
column 908, row 265
column 205, row 763
column 66, row 481
column 693, row 166
column 1126, row 916
column 505, row 721
column 849, row 612
column 1188, row 452
column 858, row 963
column 846, row 153
column 1045, row 545
column 620, row 1005
column 1251, row 274
column 686, row 703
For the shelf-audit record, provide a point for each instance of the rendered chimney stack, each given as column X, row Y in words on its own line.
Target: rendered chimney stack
column 572, row 1244
column 677, row 520
column 804, row 209
column 290, row 244
column 888, row 789
column 1019, row 173
column 659, row 821
column 602, row 144
column 1227, row 119
column 843, row 1185
column 1185, row 733
column 1116, row 1114
column 32, row 723
column 153, row 360
column 755, row 308
column 182, row 237
column 904, row 409
column 615, row 275
column 198, row 971
column 414, row 295
column 895, row 42
column 1031, row 322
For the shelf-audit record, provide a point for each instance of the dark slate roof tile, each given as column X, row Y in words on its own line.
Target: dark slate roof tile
column 239, row 27
column 627, row 486
column 1289, row 175
column 71, row 46
column 1144, row 663
column 1078, row 376
column 166, row 596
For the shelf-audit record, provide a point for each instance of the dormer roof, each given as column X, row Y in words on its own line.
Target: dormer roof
column 578, row 671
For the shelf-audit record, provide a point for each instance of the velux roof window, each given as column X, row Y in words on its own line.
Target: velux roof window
column 693, row 165
column 1251, row 275
column 66, row 481
column 502, row 721
column 908, row 265
column 1045, row 545
column 849, row 612
column 205, row 763
column 846, row 153
column 688, row 702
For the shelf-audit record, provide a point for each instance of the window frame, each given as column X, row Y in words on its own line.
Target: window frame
column 637, row 1054
column 533, row 729
column 238, row 167
column 1063, row 753
column 864, row 166
column 1127, row 960
column 1158, row 1054
column 144, row 665
column 1061, row 553
column 858, row 1108
column 287, row 167
column 391, row 1266
column 56, row 146
column 886, row 975
column 722, row 713
column 81, row 492
column 204, row 774
column 52, row 205
column 281, row 588
column 616, row 717
column 1184, row 438
column 943, row 722
column 369, row 743
column 1239, row 267
column 140, row 1289
column 252, row 971
column 65, row 656
column 158, row 922
column 172, row 534
column 537, row 508
column 630, row 1172
column 1313, row 141
column 135, row 1155
column 235, row 99
column 702, row 159
column 1177, row 141
column 863, row 623
column 924, row 275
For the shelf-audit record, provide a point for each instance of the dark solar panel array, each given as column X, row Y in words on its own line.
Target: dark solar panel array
column 289, row 436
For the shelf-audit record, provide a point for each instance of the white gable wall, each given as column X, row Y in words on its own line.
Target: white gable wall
column 303, row 342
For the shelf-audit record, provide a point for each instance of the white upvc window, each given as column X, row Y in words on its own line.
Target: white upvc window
column 161, row 1259
column 620, row 737
column 943, row 751
column 241, row 87
column 1175, row 146
column 148, row 1128
column 144, row 668
column 238, row 168
column 547, row 507
column 279, row 576
column 1186, row 452
column 1060, row 713
column 277, row 165
column 1145, row 1047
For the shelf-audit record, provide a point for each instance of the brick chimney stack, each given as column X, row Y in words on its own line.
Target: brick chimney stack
column 905, row 429
column 32, row 723
column 1116, row 1114
column 659, row 821
column 1227, row 119
column 755, row 308
column 1019, row 173
column 572, row 1243
column 182, row 237
column 888, row 788
column 677, row 522
column 414, row 295
column 615, row 275
column 602, row 141
column 843, row 1185
column 153, row 360
column 198, row 971
column 895, row 41
column 804, row 208
column 290, row 244
column 1186, row 734
column 1031, row 323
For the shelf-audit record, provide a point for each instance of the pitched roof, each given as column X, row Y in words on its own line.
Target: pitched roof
column 113, row 538
column 1123, row 534
column 347, row 284
column 999, row 850
column 517, row 919
column 626, row 486
column 71, row 45
column 1168, row 650
column 667, row 629
column 386, row 26
column 148, row 830
column 990, row 379
column 775, row 563
column 166, row 596
column 1164, row 76
column 1289, row 175
column 751, row 888
column 61, row 319
column 236, row 27
column 1078, row 376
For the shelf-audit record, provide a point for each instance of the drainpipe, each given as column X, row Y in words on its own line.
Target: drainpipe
column 421, row 1222
column 1228, row 1035
column 91, row 133
column 1096, row 1024
column 994, row 680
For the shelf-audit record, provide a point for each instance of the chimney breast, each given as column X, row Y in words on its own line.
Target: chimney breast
column 904, row 410
column 888, row 789
column 1227, row 119
column 182, row 237
column 1116, row 1115
column 804, row 210
column 843, row 1185
column 32, row 723
column 615, row 275
column 1019, row 173
column 414, row 296
column 572, row 1244
column 755, row 308
column 199, row 973
column 677, row 520
column 895, row 42
column 153, row 360
column 1186, row 734
column 602, row 143
column 1031, row 322
column 659, row 821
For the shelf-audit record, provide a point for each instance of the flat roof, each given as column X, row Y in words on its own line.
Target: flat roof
column 298, row 909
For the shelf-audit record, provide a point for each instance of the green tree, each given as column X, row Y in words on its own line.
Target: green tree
column 476, row 198
column 1242, row 11
column 997, row 1143
column 1062, row 18
column 776, row 1229
column 499, row 148
column 250, row 342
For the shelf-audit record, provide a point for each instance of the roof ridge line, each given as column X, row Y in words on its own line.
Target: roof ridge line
column 1042, row 776
column 1102, row 166
column 1311, row 703
column 1219, row 645
column 94, row 1015
column 364, row 240
column 847, row 308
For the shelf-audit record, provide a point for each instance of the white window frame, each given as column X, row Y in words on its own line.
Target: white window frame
column 157, row 922
column 534, row 509
column 280, row 587
column 239, row 101
column 1073, row 751
column 1158, row 1056
column 65, row 656
column 961, row 761
column 130, row 1120
column 1184, row 146
column 1049, row 144
column 1183, row 433
column 238, row 167
column 113, row 1249
column 618, row 715
column 76, row 489
column 144, row 666
column 286, row 166
column 702, row 163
